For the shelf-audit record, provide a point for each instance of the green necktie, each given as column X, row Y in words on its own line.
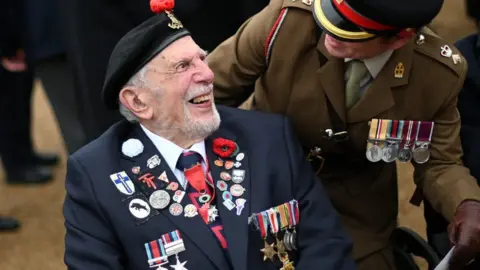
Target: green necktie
column 358, row 71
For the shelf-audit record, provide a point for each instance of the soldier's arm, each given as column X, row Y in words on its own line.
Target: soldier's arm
column 240, row 60
column 444, row 180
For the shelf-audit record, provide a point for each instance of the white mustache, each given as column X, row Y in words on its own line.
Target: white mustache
column 198, row 91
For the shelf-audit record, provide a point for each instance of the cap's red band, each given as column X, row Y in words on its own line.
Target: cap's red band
column 358, row 19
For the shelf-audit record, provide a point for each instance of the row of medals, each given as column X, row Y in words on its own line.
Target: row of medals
column 279, row 248
column 390, row 150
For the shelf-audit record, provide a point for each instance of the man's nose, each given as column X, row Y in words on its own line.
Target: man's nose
column 204, row 73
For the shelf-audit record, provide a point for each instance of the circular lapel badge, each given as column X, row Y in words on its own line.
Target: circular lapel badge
column 159, row 199
column 237, row 190
column 139, row 208
column 190, row 210
column 225, row 176
column 176, row 209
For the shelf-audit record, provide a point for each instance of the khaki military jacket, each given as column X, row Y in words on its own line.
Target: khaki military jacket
column 279, row 51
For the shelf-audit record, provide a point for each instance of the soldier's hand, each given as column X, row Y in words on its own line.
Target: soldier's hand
column 464, row 233
column 15, row 63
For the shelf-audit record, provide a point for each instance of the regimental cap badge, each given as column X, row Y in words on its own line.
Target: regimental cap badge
column 166, row 6
column 175, row 23
column 399, row 70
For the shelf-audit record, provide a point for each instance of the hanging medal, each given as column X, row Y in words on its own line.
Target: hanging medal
column 296, row 219
column 390, row 151
column 262, row 221
column 156, row 254
column 284, row 224
column 421, row 153
column 374, row 151
column 404, row 154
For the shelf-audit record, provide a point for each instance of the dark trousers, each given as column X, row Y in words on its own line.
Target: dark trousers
column 15, row 108
column 57, row 80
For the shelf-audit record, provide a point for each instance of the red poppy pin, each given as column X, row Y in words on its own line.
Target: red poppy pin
column 225, row 148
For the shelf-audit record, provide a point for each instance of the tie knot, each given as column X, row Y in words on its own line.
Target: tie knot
column 188, row 159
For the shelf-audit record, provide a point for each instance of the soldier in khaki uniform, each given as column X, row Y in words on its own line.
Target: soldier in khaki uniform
column 333, row 67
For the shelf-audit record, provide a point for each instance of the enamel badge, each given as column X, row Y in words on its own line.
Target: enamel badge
column 123, row 183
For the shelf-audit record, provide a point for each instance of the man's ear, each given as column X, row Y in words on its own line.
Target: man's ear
column 398, row 42
column 135, row 100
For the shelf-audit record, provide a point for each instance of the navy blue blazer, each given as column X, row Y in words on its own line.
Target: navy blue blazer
column 101, row 233
column 468, row 104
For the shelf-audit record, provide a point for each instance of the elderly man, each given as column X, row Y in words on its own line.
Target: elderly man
column 184, row 185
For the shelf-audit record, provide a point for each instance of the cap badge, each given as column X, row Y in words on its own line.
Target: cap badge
column 307, row 2
column 175, row 23
column 399, row 70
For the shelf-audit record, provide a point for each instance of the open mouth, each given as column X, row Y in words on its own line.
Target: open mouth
column 201, row 99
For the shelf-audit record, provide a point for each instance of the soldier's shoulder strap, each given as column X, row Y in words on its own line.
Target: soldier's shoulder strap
column 286, row 7
column 441, row 51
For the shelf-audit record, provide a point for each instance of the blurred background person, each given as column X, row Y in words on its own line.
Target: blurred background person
column 95, row 26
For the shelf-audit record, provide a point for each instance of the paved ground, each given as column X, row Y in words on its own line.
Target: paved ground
column 39, row 245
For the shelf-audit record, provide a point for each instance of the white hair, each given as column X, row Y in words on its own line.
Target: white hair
column 137, row 80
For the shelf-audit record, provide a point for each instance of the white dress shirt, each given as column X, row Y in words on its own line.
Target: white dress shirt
column 171, row 152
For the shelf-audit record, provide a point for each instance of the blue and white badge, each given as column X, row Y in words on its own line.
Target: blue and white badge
column 123, row 183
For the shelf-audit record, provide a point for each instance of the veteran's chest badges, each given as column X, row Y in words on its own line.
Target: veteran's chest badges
column 401, row 140
column 159, row 251
column 271, row 224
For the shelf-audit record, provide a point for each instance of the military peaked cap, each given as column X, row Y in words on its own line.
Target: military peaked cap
column 360, row 20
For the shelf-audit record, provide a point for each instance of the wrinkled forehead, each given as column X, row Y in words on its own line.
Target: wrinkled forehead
column 183, row 49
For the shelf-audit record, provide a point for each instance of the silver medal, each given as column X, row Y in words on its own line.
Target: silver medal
column 286, row 240
column 404, row 155
column 294, row 240
column 390, row 152
column 421, row 154
column 374, row 153
column 159, row 199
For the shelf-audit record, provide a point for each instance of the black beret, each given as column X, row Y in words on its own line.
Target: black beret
column 360, row 20
column 138, row 47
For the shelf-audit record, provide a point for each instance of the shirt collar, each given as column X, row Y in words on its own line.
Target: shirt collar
column 376, row 63
column 170, row 151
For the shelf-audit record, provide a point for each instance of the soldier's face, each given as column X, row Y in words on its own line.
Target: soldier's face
column 361, row 50
column 180, row 91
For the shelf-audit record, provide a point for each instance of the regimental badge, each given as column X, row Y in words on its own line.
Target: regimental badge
column 139, row 208
column 446, row 51
column 399, row 70
column 123, row 183
column 175, row 23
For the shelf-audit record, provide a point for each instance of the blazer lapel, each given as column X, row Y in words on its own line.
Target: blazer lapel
column 235, row 221
column 193, row 228
column 331, row 76
column 379, row 97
